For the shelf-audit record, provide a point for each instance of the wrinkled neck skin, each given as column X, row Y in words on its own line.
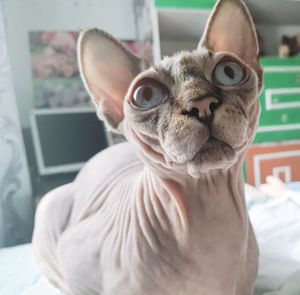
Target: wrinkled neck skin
column 214, row 196
column 199, row 223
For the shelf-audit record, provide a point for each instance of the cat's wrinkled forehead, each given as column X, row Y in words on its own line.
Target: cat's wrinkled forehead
column 184, row 65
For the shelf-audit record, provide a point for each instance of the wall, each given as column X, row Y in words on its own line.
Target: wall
column 22, row 16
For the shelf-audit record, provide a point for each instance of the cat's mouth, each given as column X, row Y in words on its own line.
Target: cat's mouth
column 212, row 146
column 213, row 154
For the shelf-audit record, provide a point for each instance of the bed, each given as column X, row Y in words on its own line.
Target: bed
column 276, row 222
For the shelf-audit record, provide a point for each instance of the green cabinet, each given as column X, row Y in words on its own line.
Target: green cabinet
column 195, row 4
column 280, row 100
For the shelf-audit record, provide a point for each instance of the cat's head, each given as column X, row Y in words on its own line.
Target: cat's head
column 194, row 111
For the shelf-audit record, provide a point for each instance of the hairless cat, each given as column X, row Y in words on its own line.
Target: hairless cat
column 164, row 213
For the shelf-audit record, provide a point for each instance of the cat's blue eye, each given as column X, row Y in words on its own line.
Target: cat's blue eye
column 149, row 94
column 229, row 73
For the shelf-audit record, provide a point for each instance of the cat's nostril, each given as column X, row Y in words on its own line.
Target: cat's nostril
column 213, row 106
column 194, row 112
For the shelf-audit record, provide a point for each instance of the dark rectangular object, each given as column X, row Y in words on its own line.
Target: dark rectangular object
column 65, row 139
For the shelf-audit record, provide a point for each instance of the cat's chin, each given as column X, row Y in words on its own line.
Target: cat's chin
column 215, row 154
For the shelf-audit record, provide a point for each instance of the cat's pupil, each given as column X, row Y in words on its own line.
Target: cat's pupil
column 229, row 72
column 147, row 93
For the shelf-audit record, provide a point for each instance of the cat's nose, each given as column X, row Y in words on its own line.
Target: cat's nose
column 202, row 109
column 204, row 106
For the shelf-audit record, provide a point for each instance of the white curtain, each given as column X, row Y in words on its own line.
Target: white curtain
column 16, row 205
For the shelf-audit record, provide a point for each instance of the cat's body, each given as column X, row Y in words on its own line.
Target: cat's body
column 161, row 243
column 165, row 213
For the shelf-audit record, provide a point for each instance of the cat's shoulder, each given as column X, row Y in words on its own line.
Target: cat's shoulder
column 110, row 162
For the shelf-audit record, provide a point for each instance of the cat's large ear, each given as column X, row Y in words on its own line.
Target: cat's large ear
column 107, row 69
column 230, row 28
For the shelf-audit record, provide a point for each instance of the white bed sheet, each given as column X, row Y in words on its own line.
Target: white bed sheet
column 276, row 223
column 17, row 270
column 41, row 287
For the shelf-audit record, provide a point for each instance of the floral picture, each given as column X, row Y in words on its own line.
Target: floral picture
column 56, row 80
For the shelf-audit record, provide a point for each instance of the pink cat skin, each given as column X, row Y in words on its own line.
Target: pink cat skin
column 164, row 213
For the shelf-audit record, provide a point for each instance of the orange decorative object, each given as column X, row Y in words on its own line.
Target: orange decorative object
column 281, row 160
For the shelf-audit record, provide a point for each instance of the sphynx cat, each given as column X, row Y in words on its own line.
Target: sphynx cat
column 164, row 213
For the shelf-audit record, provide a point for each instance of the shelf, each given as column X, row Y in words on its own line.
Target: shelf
column 182, row 24
column 275, row 12
column 267, row 12
column 170, row 47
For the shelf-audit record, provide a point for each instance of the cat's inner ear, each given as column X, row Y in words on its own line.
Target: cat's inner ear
column 107, row 69
column 230, row 28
